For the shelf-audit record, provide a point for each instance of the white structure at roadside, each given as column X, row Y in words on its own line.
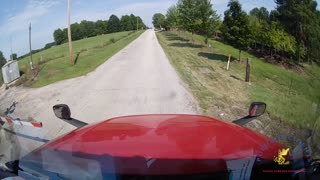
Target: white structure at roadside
column 10, row 71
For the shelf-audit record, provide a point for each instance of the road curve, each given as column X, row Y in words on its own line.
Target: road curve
column 139, row 79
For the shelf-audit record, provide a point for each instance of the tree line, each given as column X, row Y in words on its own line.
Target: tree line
column 290, row 31
column 86, row 29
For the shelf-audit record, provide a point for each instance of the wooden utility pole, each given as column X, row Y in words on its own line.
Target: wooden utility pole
column 31, row 63
column 248, row 70
column 69, row 35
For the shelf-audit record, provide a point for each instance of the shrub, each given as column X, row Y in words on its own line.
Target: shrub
column 112, row 40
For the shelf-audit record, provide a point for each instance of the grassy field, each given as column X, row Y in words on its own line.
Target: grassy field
column 293, row 99
column 54, row 63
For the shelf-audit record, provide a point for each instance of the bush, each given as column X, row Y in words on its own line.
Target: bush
column 112, row 40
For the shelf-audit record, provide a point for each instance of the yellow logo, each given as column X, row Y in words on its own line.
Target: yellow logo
column 280, row 159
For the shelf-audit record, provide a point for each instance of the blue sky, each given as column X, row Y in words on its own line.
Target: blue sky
column 48, row 15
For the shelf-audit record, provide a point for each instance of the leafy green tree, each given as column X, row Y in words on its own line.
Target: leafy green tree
column 114, row 24
column 60, row 36
column 279, row 40
column 257, row 30
column 140, row 23
column 189, row 15
column 172, row 17
column 77, row 31
column 236, row 30
column 159, row 20
column 88, row 28
column 101, row 27
column 209, row 19
column 262, row 14
column 14, row 56
column 126, row 24
column 2, row 59
column 298, row 17
column 49, row 45
column 197, row 16
column 133, row 21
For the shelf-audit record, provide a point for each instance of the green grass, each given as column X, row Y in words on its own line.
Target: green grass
column 291, row 97
column 55, row 62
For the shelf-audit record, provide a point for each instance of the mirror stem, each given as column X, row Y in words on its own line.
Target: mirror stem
column 75, row 122
column 244, row 120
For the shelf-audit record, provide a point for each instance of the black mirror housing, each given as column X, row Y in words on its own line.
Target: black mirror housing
column 257, row 109
column 62, row 111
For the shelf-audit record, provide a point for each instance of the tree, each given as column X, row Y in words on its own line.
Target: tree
column 262, row 14
column 60, row 36
column 49, row 45
column 133, row 21
column 256, row 29
column 299, row 19
column 189, row 15
column 259, row 22
column 114, row 24
column 14, row 56
column 126, row 24
column 172, row 17
column 273, row 16
column 235, row 28
column 208, row 17
column 279, row 40
column 2, row 59
column 140, row 23
column 101, row 27
column 77, row 32
column 159, row 20
column 88, row 28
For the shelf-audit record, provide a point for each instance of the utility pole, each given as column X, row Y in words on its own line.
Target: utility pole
column 137, row 23
column 69, row 35
column 31, row 63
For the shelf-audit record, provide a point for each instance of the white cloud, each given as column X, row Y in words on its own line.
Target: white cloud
column 34, row 10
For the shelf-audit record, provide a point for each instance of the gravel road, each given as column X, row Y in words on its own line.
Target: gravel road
column 139, row 79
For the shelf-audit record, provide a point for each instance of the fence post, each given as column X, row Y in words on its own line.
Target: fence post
column 228, row 65
column 248, row 66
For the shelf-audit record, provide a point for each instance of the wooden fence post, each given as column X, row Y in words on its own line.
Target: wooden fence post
column 248, row 66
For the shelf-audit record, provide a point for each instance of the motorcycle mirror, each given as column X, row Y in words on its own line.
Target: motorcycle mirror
column 62, row 111
column 257, row 109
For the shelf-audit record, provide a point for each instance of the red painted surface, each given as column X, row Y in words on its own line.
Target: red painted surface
column 9, row 120
column 35, row 124
column 166, row 136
